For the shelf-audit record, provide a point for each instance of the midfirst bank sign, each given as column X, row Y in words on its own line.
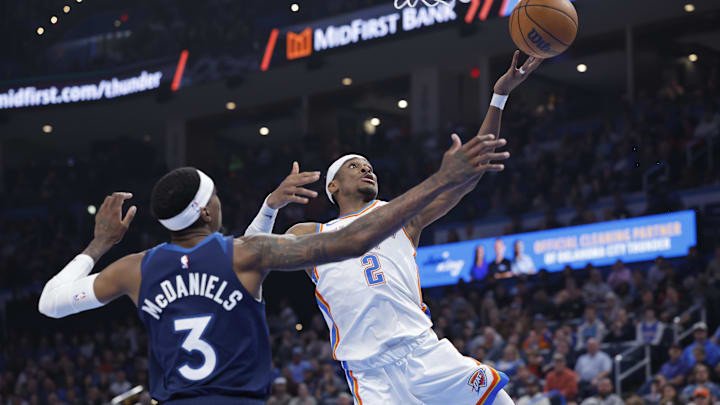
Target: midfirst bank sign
column 375, row 23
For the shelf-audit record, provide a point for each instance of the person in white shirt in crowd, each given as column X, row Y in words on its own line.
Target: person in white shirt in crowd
column 594, row 365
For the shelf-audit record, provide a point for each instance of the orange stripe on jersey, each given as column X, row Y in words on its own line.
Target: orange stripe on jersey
column 361, row 212
column 337, row 331
column 356, row 389
column 496, row 381
column 412, row 243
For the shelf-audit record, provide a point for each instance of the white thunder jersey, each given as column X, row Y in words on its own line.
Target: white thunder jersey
column 372, row 302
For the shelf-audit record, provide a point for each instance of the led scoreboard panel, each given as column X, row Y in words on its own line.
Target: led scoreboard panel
column 600, row 244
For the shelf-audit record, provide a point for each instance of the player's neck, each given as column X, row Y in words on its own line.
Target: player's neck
column 351, row 207
column 190, row 238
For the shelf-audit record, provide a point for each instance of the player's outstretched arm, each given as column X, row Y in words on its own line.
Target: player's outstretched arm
column 291, row 190
column 73, row 290
column 461, row 164
column 490, row 125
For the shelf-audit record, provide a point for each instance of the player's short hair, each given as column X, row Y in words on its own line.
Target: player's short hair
column 173, row 192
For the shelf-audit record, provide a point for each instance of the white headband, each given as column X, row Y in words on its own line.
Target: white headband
column 191, row 213
column 332, row 171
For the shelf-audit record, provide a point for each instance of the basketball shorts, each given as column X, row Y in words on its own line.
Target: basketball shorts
column 424, row 371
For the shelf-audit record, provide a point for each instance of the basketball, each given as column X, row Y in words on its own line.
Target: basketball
column 543, row 28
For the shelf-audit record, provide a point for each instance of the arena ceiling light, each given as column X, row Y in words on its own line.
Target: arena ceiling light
column 40, row 30
column 91, row 209
column 66, row 9
column 402, row 104
column 264, row 131
column 230, row 105
column 692, row 57
column 294, row 7
column 689, row 8
column 53, row 20
column 79, row 1
column 375, row 121
column 47, row 128
column 346, row 81
column 582, row 68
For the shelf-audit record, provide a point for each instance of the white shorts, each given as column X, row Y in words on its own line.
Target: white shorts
column 424, row 371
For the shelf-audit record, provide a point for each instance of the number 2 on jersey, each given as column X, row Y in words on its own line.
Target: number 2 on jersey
column 373, row 271
column 193, row 342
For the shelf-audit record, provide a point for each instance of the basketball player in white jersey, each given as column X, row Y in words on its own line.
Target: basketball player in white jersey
column 373, row 303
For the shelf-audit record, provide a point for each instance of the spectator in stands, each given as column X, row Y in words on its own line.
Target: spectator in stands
column 510, row 361
column 701, row 379
column 593, row 365
column 592, row 327
column 298, row 366
column 605, row 395
column 621, row 329
column 121, row 384
column 492, row 343
column 279, row 392
column 562, row 379
column 620, row 274
column 675, row 369
column 656, row 391
column 343, row 399
column 702, row 396
column 649, row 331
column 712, row 351
column 669, row 395
column 656, row 272
column 534, row 396
column 303, row 397
column 595, row 289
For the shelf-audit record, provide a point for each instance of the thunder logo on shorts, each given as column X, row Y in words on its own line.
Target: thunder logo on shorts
column 478, row 380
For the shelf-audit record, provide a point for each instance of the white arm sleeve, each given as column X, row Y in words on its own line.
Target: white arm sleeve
column 70, row 291
column 264, row 220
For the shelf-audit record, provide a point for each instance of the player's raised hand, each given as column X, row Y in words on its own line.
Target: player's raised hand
column 291, row 189
column 516, row 75
column 462, row 163
column 110, row 226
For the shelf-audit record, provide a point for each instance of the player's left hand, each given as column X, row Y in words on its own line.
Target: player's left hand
column 291, row 190
column 514, row 75
column 110, row 226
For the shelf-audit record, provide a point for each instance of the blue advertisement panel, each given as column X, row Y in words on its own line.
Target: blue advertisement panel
column 600, row 244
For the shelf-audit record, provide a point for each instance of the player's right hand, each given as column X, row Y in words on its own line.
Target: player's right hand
column 291, row 190
column 463, row 163
column 110, row 226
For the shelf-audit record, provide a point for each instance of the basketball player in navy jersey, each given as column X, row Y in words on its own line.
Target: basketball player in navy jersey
column 200, row 296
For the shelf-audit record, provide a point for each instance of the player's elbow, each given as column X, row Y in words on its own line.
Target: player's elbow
column 45, row 306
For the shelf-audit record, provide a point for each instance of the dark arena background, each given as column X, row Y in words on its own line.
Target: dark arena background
column 612, row 188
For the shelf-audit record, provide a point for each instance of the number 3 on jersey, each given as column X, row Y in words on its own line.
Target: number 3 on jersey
column 194, row 342
column 373, row 271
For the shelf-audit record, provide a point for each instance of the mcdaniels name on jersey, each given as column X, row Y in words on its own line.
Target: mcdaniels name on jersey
column 198, row 284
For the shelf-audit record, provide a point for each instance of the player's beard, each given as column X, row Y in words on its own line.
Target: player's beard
column 368, row 192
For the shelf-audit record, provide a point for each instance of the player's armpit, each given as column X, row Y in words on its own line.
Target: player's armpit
column 303, row 228
column 122, row 277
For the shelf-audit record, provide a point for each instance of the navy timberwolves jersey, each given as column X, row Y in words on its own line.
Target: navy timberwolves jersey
column 208, row 335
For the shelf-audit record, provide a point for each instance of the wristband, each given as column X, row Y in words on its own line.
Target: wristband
column 499, row 101
column 264, row 221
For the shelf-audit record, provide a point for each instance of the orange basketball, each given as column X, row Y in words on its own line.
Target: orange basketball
column 543, row 28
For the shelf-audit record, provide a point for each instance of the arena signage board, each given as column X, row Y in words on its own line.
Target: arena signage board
column 600, row 244
column 32, row 96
